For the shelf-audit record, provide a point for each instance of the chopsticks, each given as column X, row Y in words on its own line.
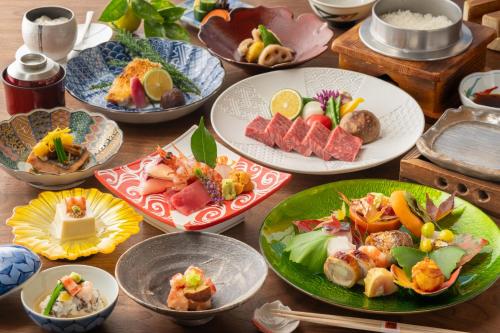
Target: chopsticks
column 359, row 323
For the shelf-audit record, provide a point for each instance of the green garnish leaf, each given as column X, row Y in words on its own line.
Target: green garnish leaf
column 146, row 11
column 175, row 31
column 203, row 145
column 60, row 153
column 172, row 14
column 101, row 85
column 309, row 249
column 161, row 4
column 53, row 298
column 447, row 258
column 114, row 10
column 407, row 257
column 416, row 208
column 153, row 29
column 268, row 37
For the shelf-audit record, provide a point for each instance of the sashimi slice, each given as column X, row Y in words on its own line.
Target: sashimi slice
column 154, row 185
column 160, row 171
column 191, row 199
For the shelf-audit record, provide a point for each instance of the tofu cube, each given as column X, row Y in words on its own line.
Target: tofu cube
column 70, row 228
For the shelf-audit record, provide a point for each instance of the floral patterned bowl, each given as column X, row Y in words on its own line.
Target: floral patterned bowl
column 306, row 34
column 102, row 137
column 32, row 224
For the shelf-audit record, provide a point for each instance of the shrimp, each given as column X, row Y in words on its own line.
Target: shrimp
column 379, row 258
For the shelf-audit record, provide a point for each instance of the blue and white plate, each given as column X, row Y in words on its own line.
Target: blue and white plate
column 17, row 266
column 188, row 16
column 94, row 67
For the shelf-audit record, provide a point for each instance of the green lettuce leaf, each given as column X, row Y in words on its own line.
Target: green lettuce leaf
column 309, row 249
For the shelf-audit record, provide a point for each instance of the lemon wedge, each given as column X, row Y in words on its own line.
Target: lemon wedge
column 156, row 82
column 288, row 102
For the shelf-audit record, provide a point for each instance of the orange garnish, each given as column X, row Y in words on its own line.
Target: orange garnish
column 216, row 13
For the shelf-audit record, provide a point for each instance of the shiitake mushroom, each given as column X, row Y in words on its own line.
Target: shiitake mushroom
column 172, row 98
column 363, row 124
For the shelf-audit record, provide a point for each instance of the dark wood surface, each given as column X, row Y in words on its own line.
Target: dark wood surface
column 478, row 315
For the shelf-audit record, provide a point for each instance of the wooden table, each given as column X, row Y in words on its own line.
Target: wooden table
column 478, row 315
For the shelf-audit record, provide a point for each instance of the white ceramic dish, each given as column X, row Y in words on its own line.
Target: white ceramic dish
column 476, row 82
column 342, row 11
column 53, row 40
column 43, row 284
column 401, row 118
column 98, row 33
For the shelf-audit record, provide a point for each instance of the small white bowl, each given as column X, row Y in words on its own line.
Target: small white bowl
column 476, row 82
column 54, row 40
column 43, row 284
column 342, row 11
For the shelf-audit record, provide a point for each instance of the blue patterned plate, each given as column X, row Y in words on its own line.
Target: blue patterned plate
column 188, row 16
column 94, row 67
column 17, row 266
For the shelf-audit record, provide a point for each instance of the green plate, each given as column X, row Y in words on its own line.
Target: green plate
column 277, row 230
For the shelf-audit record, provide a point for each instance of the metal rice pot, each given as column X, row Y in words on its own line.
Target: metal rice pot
column 417, row 40
column 33, row 81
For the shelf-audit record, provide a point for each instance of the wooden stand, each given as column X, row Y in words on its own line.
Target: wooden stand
column 432, row 83
column 485, row 194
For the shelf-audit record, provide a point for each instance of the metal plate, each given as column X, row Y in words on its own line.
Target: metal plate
column 374, row 44
column 465, row 140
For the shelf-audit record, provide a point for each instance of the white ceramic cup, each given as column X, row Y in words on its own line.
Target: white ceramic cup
column 53, row 40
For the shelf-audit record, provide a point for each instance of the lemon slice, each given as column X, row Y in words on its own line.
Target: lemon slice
column 288, row 102
column 156, row 82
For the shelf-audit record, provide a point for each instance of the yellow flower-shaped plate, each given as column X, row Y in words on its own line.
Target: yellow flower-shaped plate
column 32, row 224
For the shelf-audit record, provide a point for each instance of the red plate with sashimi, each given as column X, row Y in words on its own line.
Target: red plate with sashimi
column 194, row 183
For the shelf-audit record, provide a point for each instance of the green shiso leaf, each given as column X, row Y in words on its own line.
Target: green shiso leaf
column 309, row 249
column 407, row 257
column 447, row 258
column 203, row 145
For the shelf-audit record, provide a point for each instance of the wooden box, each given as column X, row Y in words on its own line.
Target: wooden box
column 485, row 194
column 433, row 84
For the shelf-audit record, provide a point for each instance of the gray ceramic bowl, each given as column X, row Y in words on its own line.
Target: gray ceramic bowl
column 144, row 271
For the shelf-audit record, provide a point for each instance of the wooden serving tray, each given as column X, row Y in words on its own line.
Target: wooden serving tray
column 433, row 84
column 485, row 194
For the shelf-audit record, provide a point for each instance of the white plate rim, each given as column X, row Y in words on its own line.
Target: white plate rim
column 419, row 131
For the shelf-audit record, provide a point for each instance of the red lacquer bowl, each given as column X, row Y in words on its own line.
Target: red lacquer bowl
column 24, row 96
column 307, row 34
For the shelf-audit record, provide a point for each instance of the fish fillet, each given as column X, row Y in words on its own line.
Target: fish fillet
column 120, row 93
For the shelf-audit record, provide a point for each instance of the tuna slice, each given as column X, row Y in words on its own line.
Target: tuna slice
column 276, row 130
column 160, row 171
column 343, row 145
column 153, row 186
column 257, row 130
column 316, row 140
column 296, row 134
column 192, row 198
